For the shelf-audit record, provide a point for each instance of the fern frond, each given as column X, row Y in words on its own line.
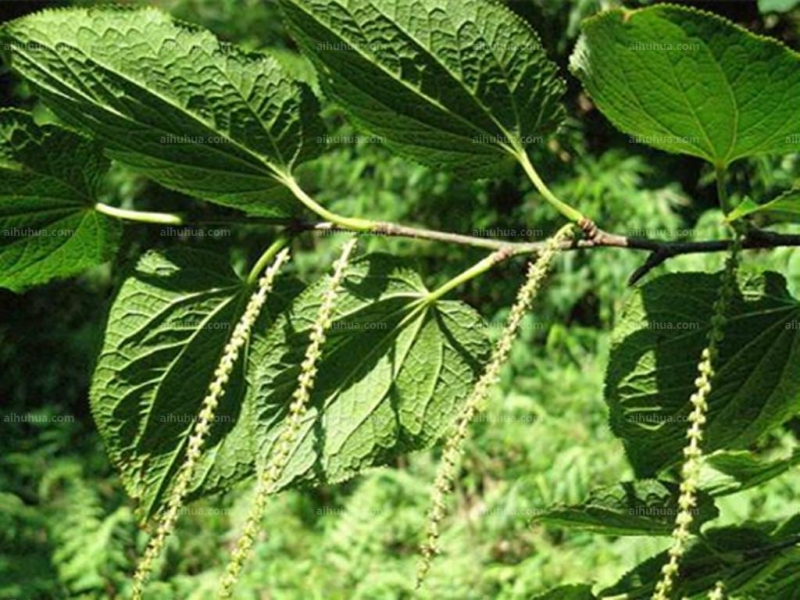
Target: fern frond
column 89, row 546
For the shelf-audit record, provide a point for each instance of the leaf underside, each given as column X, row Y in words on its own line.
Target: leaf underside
column 653, row 365
column 568, row 592
column 644, row 507
column 453, row 84
column 165, row 336
column 784, row 208
column 730, row 472
column 171, row 101
column 760, row 560
column 49, row 180
column 389, row 381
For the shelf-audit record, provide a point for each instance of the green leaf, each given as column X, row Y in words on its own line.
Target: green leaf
column 785, row 207
column 767, row 6
column 165, row 336
column 645, row 507
column 392, row 375
column 458, row 85
column 172, row 102
column 726, row 473
column 49, row 181
column 744, row 558
column 568, row 592
column 653, row 364
column 386, row 387
column 691, row 82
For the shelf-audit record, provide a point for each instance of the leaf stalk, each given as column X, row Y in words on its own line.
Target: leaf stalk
column 565, row 209
column 139, row 216
column 352, row 224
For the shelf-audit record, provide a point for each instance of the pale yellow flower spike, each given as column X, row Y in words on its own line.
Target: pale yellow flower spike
column 201, row 429
column 690, row 473
column 282, row 449
column 718, row 593
column 537, row 272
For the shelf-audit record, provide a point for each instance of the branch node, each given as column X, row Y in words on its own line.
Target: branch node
column 589, row 228
column 503, row 254
column 384, row 228
column 655, row 259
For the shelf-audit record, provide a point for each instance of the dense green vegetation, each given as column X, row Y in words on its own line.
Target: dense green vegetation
column 70, row 530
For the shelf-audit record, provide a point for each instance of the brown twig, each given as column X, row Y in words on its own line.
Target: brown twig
column 660, row 250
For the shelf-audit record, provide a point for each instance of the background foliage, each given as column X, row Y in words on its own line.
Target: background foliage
column 66, row 528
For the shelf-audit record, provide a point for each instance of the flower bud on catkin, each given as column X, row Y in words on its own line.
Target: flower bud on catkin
column 718, row 593
column 693, row 454
column 537, row 272
column 203, row 425
column 281, row 451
